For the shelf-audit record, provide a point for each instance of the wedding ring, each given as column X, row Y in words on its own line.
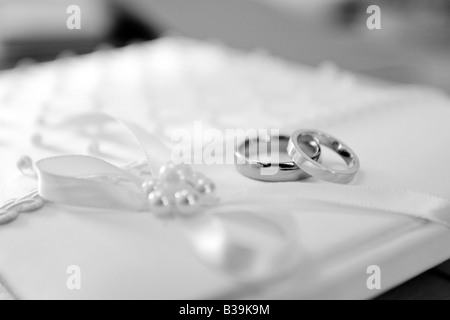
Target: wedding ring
column 316, row 169
column 268, row 170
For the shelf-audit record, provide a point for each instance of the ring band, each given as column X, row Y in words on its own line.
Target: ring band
column 314, row 168
column 266, row 170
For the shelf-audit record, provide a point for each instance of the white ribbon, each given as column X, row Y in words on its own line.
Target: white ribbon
column 293, row 194
column 89, row 182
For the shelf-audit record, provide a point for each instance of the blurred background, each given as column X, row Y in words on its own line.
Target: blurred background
column 412, row 46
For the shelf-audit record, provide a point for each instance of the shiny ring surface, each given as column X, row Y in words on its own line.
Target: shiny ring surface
column 316, row 169
column 269, row 171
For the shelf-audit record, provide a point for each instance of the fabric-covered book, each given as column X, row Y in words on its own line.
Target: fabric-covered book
column 299, row 239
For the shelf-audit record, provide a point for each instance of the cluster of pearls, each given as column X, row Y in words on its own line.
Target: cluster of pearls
column 26, row 166
column 179, row 190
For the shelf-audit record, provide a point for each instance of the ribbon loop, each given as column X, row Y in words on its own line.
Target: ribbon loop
column 89, row 182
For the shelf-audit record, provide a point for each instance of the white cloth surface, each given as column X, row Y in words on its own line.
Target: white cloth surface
column 399, row 134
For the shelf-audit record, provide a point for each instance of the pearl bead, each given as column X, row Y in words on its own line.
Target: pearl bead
column 205, row 186
column 168, row 173
column 179, row 189
column 159, row 203
column 169, row 189
column 149, row 186
column 25, row 165
column 188, row 201
column 207, row 189
column 195, row 177
column 185, row 172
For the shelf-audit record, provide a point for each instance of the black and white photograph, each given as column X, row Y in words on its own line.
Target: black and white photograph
column 228, row 157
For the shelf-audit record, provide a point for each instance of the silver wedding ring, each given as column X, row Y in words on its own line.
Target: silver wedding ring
column 272, row 171
column 303, row 150
column 313, row 167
